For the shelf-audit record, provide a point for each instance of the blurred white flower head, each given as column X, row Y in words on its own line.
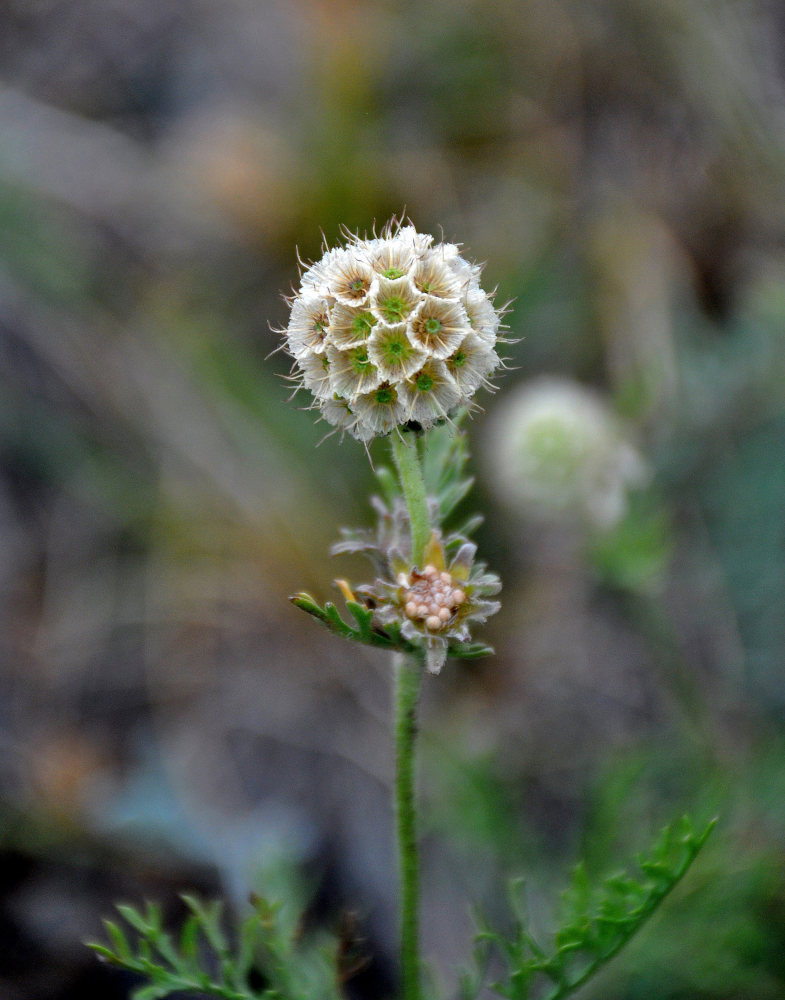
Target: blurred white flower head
column 390, row 331
column 559, row 453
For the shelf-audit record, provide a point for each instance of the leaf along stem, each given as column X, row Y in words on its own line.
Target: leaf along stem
column 407, row 462
column 647, row 909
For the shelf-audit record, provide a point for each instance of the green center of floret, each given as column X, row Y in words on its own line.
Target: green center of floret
column 360, row 361
column 433, row 325
column 362, row 325
column 424, row 382
column 459, row 359
column 393, row 272
column 394, row 309
column 384, row 395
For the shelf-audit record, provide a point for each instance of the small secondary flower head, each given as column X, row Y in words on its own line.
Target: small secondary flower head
column 434, row 605
column 392, row 330
column 560, row 452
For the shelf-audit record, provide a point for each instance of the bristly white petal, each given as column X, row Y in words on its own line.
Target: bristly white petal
column 393, row 353
column 418, row 241
column 467, row 274
column 350, row 326
column 471, row 364
column 431, row 394
column 432, row 276
column 393, row 299
column 352, row 372
column 438, row 326
column 336, row 411
column 393, row 258
column 316, row 278
column 349, row 279
column 378, row 412
column 484, row 319
column 315, row 371
column 308, row 326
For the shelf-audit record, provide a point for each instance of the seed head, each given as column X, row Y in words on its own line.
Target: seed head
column 560, row 454
column 402, row 330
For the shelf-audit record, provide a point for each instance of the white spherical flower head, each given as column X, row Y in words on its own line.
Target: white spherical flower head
column 560, row 452
column 392, row 330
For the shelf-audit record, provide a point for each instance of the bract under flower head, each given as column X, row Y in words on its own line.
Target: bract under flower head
column 395, row 314
column 434, row 605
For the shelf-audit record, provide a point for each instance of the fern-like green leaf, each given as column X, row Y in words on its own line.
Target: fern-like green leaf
column 389, row 638
column 596, row 923
column 294, row 968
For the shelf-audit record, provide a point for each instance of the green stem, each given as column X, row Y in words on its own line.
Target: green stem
column 408, row 674
column 407, row 462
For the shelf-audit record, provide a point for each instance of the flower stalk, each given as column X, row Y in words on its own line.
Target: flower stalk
column 408, row 675
column 387, row 333
column 392, row 333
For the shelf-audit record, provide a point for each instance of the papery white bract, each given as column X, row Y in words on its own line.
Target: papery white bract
column 395, row 314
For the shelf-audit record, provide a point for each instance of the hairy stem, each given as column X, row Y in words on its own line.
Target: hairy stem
column 408, row 674
column 407, row 462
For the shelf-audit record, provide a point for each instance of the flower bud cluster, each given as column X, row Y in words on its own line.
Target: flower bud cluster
column 430, row 596
column 390, row 331
column 433, row 607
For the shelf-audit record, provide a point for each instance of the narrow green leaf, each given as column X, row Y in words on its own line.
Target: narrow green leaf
column 248, row 941
column 362, row 616
column 167, row 950
column 154, row 917
column 133, row 917
column 307, row 603
column 450, row 497
column 121, row 946
column 333, row 616
column 154, row 991
column 388, row 482
column 469, row 650
column 103, row 952
column 189, row 939
column 209, row 917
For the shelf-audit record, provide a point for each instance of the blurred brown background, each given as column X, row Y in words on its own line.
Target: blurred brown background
column 167, row 719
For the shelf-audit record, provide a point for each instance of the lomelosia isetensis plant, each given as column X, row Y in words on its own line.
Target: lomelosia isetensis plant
column 393, row 335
